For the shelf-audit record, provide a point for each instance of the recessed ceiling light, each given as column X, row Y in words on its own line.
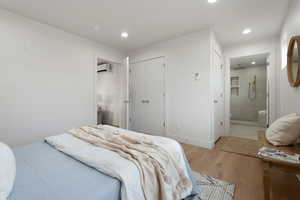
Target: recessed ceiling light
column 253, row 63
column 96, row 28
column 212, row 1
column 247, row 31
column 124, row 35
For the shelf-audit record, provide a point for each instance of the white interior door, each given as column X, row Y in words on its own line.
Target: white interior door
column 218, row 79
column 268, row 94
column 147, row 97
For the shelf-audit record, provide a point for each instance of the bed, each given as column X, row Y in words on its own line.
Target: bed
column 44, row 173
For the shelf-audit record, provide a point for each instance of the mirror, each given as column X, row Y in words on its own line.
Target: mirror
column 293, row 67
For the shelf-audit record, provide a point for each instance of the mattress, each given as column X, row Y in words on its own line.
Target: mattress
column 44, row 173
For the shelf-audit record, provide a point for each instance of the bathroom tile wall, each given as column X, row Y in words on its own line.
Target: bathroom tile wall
column 245, row 106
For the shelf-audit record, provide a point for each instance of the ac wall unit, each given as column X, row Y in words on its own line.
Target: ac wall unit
column 104, row 68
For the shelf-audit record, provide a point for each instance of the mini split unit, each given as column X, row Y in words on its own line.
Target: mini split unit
column 104, row 68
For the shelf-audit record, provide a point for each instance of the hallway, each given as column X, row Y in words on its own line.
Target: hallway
column 245, row 131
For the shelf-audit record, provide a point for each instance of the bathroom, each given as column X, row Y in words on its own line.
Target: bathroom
column 248, row 101
column 110, row 93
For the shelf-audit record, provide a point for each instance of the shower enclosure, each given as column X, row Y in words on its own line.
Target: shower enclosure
column 249, row 91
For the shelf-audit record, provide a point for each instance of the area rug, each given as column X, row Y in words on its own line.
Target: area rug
column 243, row 146
column 213, row 189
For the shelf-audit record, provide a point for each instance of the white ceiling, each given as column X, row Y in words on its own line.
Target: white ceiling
column 246, row 61
column 150, row 21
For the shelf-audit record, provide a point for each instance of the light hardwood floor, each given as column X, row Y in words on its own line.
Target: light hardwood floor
column 245, row 172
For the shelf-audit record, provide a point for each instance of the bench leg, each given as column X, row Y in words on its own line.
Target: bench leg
column 267, row 181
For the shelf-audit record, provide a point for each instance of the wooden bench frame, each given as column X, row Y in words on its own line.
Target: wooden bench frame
column 269, row 164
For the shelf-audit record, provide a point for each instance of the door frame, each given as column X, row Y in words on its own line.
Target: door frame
column 271, row 86
column 164, row 88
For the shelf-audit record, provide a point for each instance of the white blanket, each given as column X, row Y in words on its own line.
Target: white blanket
column 112, row 163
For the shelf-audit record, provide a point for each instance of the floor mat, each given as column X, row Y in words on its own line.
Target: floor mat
column 239, row 145
column 213, row 189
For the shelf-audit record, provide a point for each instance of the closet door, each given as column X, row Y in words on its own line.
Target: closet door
column 218, row 73
column 147, row 97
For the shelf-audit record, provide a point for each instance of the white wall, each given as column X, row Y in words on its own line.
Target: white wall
column 47, row 79
column 187, row 101
column 289, row 97
column 264, row 46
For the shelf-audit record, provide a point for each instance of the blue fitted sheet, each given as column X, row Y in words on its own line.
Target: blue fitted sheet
column 44, row 173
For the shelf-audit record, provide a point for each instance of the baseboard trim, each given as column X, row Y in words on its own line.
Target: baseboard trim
column 195, row 142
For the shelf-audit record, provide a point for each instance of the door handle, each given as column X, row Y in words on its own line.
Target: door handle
column 145, row 101
column 215, row 101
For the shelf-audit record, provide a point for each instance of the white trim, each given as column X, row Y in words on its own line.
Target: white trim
column 95, row 62
column 264, row 46
column 146, row 59
column 165, row 94
column 194, row 141
column 127, row 92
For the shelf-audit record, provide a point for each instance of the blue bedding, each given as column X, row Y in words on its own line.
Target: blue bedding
column 44, row 173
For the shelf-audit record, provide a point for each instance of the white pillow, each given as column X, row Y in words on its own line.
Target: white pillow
column 7, row 171
column 284, row 131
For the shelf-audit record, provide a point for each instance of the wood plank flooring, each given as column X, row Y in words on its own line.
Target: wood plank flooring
column 245, row 172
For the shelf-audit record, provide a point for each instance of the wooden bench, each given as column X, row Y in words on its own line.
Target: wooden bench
column 278, row 165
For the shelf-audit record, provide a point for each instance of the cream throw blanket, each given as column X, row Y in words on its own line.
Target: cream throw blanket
column 162, row 177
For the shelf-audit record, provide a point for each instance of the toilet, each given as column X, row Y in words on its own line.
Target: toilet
column 262, row 117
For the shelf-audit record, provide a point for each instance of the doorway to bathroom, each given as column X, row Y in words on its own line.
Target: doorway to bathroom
column 248, row 95
column 111, row 93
